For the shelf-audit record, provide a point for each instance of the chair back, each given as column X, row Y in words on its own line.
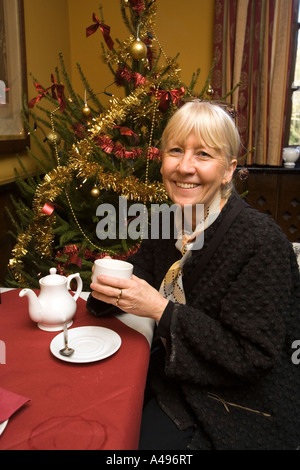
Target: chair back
column 296, row 247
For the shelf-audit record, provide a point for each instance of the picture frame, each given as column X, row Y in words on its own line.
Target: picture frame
column 13, row 77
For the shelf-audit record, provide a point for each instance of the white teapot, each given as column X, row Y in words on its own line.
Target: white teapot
column 55, row 306
column 290, row 155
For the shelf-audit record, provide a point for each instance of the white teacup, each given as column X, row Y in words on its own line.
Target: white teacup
column 112, row 267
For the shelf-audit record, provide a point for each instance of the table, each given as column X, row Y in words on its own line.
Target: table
column 73, row 406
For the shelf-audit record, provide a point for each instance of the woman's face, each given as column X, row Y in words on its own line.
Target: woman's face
column 193, row 172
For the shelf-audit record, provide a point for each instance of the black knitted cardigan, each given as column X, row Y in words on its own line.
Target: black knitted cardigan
column 228, row 368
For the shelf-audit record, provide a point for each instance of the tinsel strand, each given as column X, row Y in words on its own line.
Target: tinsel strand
column 150, row 138
column 54, row 134
column 118, row 111
column 169, row 62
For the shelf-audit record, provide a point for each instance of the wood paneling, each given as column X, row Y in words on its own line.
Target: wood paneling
column 275, row 192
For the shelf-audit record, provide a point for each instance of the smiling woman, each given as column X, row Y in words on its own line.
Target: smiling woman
column 200, row 146
column 227, row 310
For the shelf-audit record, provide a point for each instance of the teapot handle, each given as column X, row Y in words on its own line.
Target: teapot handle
column 79, row 284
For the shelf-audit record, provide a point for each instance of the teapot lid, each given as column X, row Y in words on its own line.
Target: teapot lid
column 53, row 279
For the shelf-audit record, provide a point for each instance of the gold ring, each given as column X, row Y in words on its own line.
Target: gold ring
column 117, row 301
column 120, row 295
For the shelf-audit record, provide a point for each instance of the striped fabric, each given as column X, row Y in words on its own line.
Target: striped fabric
column 252, row 46
column 172, row 285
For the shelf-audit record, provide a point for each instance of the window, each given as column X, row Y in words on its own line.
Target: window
column 293, row 109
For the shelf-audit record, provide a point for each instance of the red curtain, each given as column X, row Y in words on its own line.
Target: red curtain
column 252, row 47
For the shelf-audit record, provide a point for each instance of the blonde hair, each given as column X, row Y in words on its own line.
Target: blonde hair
column 211, row 124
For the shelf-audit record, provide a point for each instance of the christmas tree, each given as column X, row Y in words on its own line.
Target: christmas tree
column 94, row 154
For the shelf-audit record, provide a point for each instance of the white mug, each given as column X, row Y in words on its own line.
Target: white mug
column 290, row 155
column 112, row 267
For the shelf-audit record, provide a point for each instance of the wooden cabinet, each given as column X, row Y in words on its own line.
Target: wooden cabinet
column 276, row 192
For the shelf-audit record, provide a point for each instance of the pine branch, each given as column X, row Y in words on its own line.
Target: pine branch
column 208, row 80
column 155, row 64
column 70, row 88
column 90, row 92
column 38, row 143
column 13, row 220
column 25, row 189
column 194, row 80
column 125, row 18
column 231, row 92
column 169, row 66
column 108, row 64
column 24, row 214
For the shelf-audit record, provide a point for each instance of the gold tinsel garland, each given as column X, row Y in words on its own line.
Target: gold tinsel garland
column 40, row 231
column 118, row 111
column 129, row 187
column 52, row 186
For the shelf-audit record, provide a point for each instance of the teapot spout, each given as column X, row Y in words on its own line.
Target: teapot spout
column 35, row 307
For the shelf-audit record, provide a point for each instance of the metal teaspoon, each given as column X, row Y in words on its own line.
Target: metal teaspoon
column 66, row 351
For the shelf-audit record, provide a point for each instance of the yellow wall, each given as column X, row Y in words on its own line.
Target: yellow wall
column 59, row 26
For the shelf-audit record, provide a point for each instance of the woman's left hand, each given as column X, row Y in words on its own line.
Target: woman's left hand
column 133, row 295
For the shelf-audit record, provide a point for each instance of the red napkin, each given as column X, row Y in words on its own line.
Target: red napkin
column 9, row 403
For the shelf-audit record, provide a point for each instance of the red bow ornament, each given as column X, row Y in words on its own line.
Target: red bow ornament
column 104, row 28
column 165, row 96
column 57, row 91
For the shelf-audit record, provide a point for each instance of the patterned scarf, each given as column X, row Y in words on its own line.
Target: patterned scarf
column 172, row 287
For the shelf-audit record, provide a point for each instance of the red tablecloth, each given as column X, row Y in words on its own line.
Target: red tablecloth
column 73, row 406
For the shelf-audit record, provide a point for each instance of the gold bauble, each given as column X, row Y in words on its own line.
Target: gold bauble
column 145, row 62
column 53, row 138
column 95, row 192
column 86, row 111
column 138, row 49
column 210, row 91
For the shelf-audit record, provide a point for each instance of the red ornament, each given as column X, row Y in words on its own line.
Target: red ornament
column 105, row 31
column 48, row 208
column 57, row 91
column 137, row 5
column 166, row 96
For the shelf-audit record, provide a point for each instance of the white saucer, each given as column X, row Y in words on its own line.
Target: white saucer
column 91, row 343
column 3, row 426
